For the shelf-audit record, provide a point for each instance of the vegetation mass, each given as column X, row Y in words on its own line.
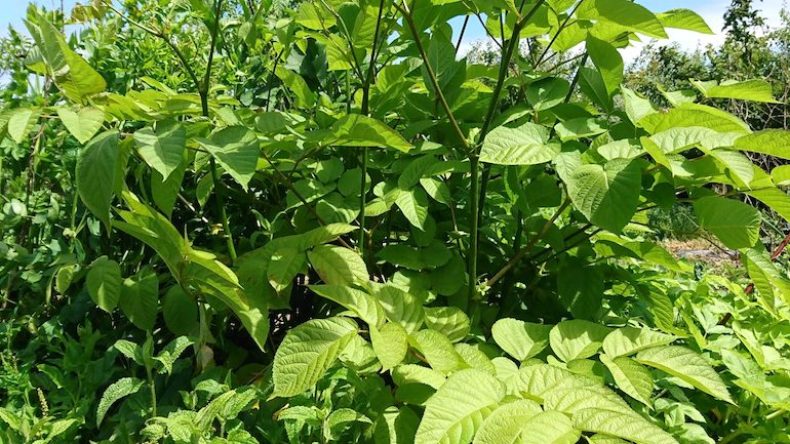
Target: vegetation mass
column 254, row 221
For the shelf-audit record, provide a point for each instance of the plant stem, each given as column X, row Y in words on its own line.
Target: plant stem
column 526, row 250
column 365, row 111
column 474, row 197
column 432, row 76
column 477, row 191
column 152, row 388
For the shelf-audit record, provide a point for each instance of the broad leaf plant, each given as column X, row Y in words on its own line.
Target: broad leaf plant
column 411, row 247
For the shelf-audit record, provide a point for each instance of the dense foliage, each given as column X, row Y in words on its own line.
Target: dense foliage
column 261, row 221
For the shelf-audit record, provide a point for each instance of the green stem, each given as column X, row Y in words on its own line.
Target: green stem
column 365, row 111
column 474, row 196
column 152, row 388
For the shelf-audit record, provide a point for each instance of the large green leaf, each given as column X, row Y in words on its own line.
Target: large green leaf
column 520, row 339
column 632, row 378
column 140, row 299
column 114, row 393
column 286, row 263
column 449, row 321
column 391, row 343
column 524, row 145
column 752, row 90
column 623, row 425
column 736, row 224
column 773, row 142
column 307, row 352
column 104, row 283
column 692, row 114
column 71, row 73
column 458, row 409
column 438, row 351
column 356, row 130
column 337, row 265
column 401, row 306
column 236, row 149
column 21, row 121
column 506, row 424
column 607, row 195
column 688, row 366
column 577, row 339
column 82, row 124
column 413, row 204
column 684, row 19
column 629, row 340
column 630, row 16
column 162, row 147
column 608, row 61
column 360, row 303
column 96, row 173
column 549, row 427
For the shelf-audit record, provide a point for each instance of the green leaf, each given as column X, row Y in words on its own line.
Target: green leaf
column 162, row 148
column 577, row 339
column 413, row 204
column 96, row 174
column 524, row 145
column 356, row 130
column 768, row 280
column 631, row 377
column 520, row 339
column 307, row 352
column 506, row 424
column 179, row 311
column 636, row 106
column 362, row 304
column 547, row 93
column 305, row 97
column 684, row 19
column 736, row 224
column 781, row 175
column 549, row 427
column 286, row 263
column 82, row 124
column 104, row 283
column 608, row 61
column 71, row 73
column 751, row 90
column 437, row 350
column 772, row 142
column 459, row 407
column 687, row 365
column 624, row 425
column 449, row 321
column 579, row 128
column 172, row 351
column 20, row 122
column 140, row 299
column 236, row 149
column 692, row 114
column 396, row 426
column 630, row 16
column 629, row 340
column 339, row 419
column 607, row 195
column 536, row 381
column 115, row 392
column 401, row 307
column 338, row 265
column 390, row 342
